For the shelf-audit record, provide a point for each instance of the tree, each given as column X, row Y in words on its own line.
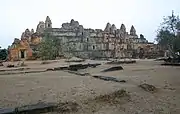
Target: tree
column 176, row 45
column 3, row 54
column 49, row 47
column 168, row 33
column 165, row 38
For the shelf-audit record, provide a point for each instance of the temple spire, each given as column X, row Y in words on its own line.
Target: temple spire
column 133, row 31
column 48, row 23
column 123, row 28
column 108, row 27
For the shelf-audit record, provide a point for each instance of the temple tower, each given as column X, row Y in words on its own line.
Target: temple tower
column 123, row 28
column 108, row 27
column 133, row 31
column 113, row 29
column 48, row 23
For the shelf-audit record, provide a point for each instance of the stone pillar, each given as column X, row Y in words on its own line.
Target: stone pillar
column 19, row 54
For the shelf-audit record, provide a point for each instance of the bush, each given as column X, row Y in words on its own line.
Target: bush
column 3, row 54
column 49, row 48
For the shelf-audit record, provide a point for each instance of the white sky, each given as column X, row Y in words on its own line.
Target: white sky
column 145, row 15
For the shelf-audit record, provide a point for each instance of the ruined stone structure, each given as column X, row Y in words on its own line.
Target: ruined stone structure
column 86, row 43
column 22, row 49
column 97, row 43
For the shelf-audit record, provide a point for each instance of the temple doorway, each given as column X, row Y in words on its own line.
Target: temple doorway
column 22, row 54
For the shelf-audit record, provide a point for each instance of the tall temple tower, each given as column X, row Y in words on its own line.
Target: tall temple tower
column 123, row 28
column 108, row 27
column 48, row 23
column 133, row 31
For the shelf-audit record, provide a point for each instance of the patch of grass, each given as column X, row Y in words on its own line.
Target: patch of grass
column 113, row 98
column 67, row 107
column 148, row 87
column 116, row 98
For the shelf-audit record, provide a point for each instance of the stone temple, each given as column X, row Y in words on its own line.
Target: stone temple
column 112, row 42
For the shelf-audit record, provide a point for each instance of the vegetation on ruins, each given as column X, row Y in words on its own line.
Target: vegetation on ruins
column 50, row 47
column 3, row 54
column 168, row 36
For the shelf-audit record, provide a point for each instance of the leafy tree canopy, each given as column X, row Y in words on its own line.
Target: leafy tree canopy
column 3, row 54
column 168, row 33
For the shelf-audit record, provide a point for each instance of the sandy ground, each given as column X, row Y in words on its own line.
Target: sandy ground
column 54, row 86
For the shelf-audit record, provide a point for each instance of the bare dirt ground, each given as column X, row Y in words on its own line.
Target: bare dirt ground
column 55, row 86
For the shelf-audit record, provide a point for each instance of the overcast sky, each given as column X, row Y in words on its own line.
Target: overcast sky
column 145, row 15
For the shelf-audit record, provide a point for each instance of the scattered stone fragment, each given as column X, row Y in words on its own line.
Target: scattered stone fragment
column 171, row 64
column 30, row 109
column 106, row 78
column 77, row 67
column 50, row 69
column 122, row 62
column 74, row 67
column 79, row 73
column 38, row 108
column 60, row 68
column 75, row 61
column 7, row 111
column 10, row 65
column 161, row 59
column 116, row 68
column 148, row 87
column 94, row 65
